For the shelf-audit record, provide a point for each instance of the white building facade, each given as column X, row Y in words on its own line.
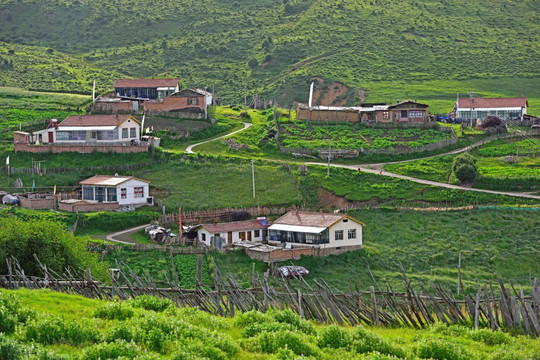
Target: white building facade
column 126, row 190
column 233, row 232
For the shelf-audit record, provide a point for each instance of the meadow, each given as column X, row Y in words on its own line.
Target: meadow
column 48, row 325
column 413, row 49
column 510, row 164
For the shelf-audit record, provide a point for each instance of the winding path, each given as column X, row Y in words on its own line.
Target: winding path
column 189, row 149
column 112, row 237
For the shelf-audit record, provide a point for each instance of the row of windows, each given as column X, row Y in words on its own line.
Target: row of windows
column 98, row 135
column 132, row 133
column 351, row 234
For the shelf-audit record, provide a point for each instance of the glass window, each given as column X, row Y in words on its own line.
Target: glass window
column 203, row 237
column 139, row 192
column 132, row 132
column 257, row 233
column 193, row 101
column 416, row 114
column 123, row 193
column 88, row 193
column 62, row 135
column 339, row 234
column 124, row 133
column 352, row 234
column 385, row 115
column 111, row 194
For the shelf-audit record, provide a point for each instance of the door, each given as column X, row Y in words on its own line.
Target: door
column 229, row 238
column 242, row 236
column 51, row 137
column 249, row 235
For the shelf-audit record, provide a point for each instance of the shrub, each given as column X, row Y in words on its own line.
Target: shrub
column 11, row 313
column 10, row 349
column 111, row 350
column 366, row 341
column 197, row 350
column 465, row 168
column 270, row 343
column 289, row 317
column 250, row 317
column 440, row 350
column 490, row 337
column 153, row 303
column 50, row 330
column 334, row 337
column 114, row 311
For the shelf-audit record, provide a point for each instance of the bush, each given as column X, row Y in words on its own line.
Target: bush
column 51, row 330
column 366, row 341
column 11, row 313
column 111, row 350
column 114, row 311
column 153, row 303
column 465, row 168
column 335, row 337
column 271, row 342
column 440, row 350
column 490, row 337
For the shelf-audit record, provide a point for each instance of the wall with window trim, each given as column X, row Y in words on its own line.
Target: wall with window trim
column 345, row 227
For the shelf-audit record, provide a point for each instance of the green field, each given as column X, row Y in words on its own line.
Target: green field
column 510, row 164
column 413, row 49
column 53, row 325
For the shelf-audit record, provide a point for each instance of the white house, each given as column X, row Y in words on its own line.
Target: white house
column 321, row 230
column 480, row 108
column 91, row 129
column 234, row 232
column 126, row 190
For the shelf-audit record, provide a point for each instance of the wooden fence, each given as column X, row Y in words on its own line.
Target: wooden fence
column 88, row 169
column 495, row 306
column 221, row 215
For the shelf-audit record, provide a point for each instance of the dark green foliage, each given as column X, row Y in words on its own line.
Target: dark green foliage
column 114, row 310
column 490, row 337
column 335, row 337
column 53, row 330
column 50, row 242
column 365, row 341
column 464, row 167
column 11, row 313
column 112, row 350
column 153, row 303
column 440, row 350
column 186, row 266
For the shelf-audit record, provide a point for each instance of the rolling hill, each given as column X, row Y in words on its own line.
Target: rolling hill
column 421, row 49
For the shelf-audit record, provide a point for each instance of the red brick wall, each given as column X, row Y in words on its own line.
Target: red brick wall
column 57, row 148
column 37, row 203
column 84, row 206
column 172, row 103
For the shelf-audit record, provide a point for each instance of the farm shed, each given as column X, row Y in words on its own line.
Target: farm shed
column 186, row 100
column 335, row 232
column 124, row 190
column 233, row 232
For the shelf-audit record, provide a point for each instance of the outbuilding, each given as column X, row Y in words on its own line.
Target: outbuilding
column 233, row 232
column 125, row 190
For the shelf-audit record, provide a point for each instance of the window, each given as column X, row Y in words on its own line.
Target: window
column 124, row 133
column 257, row 233
column 123, row 193
column 203, row 237
column 193, row 101
column 106, row 135
column 132, row 132
column 345, row 220
column 111, row 194
column 339, row 234
column 385, row 115
column 352, row 234
column 139, row 192
column 62, row 135
column 416, row 114
column 88, row 193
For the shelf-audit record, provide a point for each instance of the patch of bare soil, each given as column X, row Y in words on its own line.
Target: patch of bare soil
column 330, row 201
column 331, row 97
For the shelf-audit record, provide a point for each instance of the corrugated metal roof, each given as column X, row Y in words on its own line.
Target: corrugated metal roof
column 142, row 83
column 233, row 226
column 479, row 103
column 298, row 228
column 95, row 120
column 108, row 180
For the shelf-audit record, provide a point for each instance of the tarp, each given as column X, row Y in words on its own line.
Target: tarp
column 10, row 199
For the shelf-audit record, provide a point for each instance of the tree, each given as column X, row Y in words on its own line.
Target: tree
column 464, row 167
column 253, row 63
column 50, row 242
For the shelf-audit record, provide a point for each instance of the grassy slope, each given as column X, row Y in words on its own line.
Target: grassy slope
column 415, row 49
column 427, row 245
column 226, row 338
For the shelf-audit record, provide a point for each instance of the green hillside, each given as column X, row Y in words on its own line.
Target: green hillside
column 422, row 49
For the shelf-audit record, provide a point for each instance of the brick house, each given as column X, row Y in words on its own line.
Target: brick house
column 480, row 108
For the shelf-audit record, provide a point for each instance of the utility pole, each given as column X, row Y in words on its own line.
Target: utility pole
column 470, row 112
column 253, row 175
column 214, row 97
column 329, row 157
column 245, row 97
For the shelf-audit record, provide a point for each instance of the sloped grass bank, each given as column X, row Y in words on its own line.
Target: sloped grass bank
column 47, row 325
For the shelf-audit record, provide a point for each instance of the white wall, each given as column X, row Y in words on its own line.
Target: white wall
column 128, row 124
column 130, row 186
column 225, row 236
column 345, row 226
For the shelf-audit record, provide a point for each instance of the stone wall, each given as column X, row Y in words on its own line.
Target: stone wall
column 296, row 253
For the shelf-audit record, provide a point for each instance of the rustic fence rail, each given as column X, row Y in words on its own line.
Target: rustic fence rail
column 62, row 170
column 495, row 306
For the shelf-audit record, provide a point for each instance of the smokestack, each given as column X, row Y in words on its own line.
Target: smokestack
column 310, row 94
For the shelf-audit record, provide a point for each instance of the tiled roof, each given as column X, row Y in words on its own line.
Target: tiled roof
column 142, row 83
column 186, row 92
column 108, row 180
column 234, row 226
column 478, row 103
column 312, row 219
column 95, row 120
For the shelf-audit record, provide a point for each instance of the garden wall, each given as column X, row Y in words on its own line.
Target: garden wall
column 83, row 149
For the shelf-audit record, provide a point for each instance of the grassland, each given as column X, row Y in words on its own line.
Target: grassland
column 413, row 49
column 59, row 326
column 498, row 163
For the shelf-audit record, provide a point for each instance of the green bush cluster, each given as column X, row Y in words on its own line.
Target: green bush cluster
column 153, row 303
column 12, row 313
column 114, row 311
column 53, row 329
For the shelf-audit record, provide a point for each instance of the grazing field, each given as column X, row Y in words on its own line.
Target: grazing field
column 510, row 164
column 53, row 325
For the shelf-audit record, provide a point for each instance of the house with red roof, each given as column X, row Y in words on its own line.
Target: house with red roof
column 479, row 108
column 233, row 232
column 125, row 190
